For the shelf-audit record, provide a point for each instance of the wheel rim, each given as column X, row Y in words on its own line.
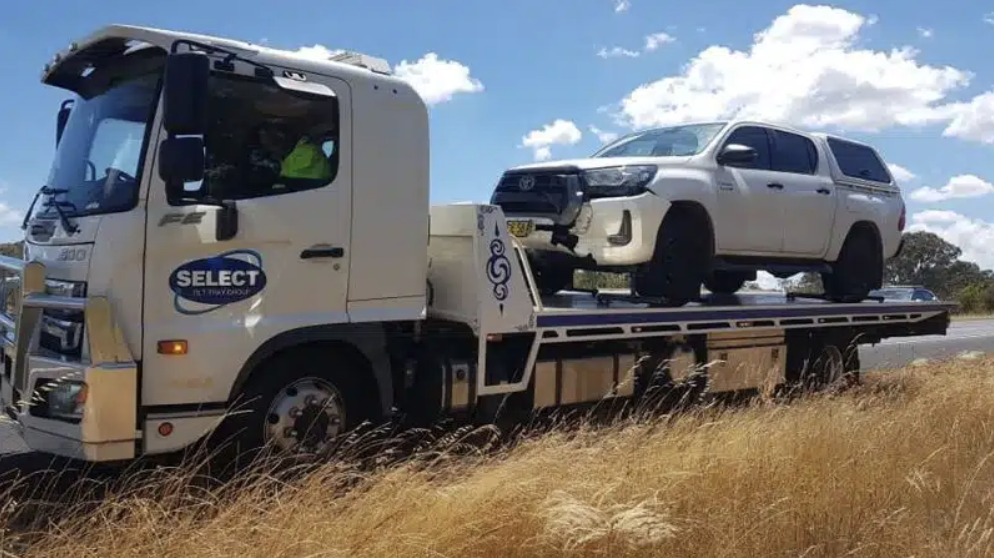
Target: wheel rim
column 305, row 415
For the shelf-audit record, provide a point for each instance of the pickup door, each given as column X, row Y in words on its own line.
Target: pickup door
column 808, row 196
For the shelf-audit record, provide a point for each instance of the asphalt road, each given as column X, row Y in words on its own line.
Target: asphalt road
column 966, row 338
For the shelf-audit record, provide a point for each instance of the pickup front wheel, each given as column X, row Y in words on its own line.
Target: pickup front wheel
column 679, row 261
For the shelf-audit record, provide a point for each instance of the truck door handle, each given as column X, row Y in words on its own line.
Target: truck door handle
column 825, row 191
column 331, row 252
column 775, row 185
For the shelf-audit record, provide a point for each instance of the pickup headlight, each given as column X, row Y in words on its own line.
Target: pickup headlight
column 618, row 181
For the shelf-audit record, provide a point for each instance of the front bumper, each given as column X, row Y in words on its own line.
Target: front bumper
column 102, row 426
column 610, row 231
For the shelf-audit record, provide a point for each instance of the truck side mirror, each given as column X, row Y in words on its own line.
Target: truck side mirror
column 181, row 160
column 185, row 93
column 62, row 119
column 737, row 154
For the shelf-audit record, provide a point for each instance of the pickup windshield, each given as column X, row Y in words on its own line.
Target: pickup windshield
column 98, row 162
column 672, row 141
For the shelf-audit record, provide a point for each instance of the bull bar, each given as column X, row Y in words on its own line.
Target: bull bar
column 101, row 387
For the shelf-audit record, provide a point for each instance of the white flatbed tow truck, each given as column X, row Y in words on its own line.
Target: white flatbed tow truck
column 155, row 298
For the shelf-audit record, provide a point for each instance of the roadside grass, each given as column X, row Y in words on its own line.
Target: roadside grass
column 900, row 466
column 971, row 316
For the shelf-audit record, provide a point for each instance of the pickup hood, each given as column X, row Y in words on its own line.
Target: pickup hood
column 602, row 162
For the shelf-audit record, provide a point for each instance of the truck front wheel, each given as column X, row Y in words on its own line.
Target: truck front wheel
column 299, row 401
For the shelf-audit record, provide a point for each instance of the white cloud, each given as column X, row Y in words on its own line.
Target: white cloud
column 602, row 136
column 900, row 173
column 560, row 132
column 989, row 18
column 973, row 120
column 925, row 33
column 654, row 41
column 9, row 215
column 437, row 80
column 621, row 5
column 617, row 51
column 975, row 237
column 960, row 186
column 804, row 68
column 317, row 52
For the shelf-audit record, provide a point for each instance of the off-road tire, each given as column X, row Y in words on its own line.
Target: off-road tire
column 858, row 269
column 550, row 279
column 680, row 261
column 725, row 282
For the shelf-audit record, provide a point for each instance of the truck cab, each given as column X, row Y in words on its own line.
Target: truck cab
column 220, row 226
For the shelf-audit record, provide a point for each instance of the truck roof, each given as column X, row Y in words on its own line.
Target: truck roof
column 119, row 38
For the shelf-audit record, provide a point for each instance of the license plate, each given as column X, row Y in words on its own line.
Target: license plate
column 520, row 229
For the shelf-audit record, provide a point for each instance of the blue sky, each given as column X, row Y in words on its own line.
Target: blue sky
column 910, row 78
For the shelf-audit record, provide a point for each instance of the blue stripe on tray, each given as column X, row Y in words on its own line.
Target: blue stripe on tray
column 580, row 319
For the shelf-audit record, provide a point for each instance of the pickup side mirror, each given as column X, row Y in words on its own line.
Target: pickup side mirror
column 62, row 119
column 181, row 160
column 737, row 154
column 185, row 93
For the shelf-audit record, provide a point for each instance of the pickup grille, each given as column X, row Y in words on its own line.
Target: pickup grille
column 538, row 194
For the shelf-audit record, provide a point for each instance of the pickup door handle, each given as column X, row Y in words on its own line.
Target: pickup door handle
column 775, row 185
column 330, row 252
column 824, row 191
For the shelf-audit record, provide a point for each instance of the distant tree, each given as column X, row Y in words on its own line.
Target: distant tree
column 926, row 260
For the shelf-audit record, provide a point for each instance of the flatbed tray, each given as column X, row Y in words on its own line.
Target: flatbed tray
column 617, row 307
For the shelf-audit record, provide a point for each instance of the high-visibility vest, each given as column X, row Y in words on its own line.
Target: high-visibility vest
column 306, row 161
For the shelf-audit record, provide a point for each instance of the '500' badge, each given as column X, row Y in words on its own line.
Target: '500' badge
column 72, row 255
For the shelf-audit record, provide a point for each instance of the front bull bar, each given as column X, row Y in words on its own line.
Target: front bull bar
column 103, row 383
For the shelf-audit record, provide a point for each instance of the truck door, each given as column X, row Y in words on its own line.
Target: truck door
column 287, row 265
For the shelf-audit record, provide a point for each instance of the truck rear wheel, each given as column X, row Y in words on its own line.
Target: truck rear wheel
column 858, row 269
column 300, row 401
column 680, row 260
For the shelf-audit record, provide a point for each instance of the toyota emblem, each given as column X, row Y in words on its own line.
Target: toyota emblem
column 526, row 183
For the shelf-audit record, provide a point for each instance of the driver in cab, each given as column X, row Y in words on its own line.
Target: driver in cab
column 273, row 157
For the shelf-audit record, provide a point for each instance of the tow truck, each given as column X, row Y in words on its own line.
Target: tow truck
column 170, row 288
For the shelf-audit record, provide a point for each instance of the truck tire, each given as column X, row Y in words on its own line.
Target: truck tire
column 680, row 261
column 858, row 269
column 725, row 282
column 300, row 400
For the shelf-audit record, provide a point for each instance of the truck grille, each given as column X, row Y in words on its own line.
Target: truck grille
column 546, row 193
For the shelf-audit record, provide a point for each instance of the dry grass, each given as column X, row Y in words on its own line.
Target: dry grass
column 899, row 467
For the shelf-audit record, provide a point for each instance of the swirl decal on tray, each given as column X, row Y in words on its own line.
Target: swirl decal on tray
column 498, row 269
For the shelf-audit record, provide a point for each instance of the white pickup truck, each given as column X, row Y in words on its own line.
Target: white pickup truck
column 710, row 203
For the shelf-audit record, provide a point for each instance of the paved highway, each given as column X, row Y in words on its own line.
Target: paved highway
column 964, row 338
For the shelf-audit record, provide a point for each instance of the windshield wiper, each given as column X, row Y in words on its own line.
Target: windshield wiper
column 68, row 225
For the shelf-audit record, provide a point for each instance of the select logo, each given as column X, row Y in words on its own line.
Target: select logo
column 204, row 285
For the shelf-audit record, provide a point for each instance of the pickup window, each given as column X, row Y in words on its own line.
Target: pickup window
column 858, row 161
column 793, row 153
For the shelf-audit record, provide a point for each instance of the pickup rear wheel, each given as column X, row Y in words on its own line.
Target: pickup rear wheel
column 858, row 270
column 679, row 262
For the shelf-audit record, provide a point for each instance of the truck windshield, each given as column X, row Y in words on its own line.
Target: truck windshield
column 98, row 162
column 672, row 141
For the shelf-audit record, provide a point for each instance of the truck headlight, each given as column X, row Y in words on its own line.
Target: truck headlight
column 618, row 181
column 66, row 400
